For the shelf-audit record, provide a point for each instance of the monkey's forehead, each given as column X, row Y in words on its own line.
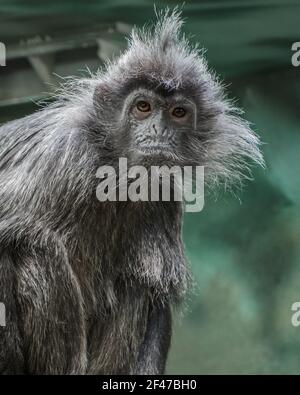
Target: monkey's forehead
column 146, row 84
column 165, row 80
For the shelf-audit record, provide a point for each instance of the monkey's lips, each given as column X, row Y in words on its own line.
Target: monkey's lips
column 155, row 149
column 157, row 155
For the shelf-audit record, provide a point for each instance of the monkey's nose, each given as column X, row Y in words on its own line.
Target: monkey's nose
column 159, row 131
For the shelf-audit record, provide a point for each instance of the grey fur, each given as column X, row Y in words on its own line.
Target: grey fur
column 88, row 285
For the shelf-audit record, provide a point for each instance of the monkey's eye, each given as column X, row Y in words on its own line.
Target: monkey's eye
column 179, row 112
column 143, row 106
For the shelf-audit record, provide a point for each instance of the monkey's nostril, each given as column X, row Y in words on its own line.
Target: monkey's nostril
column 154, row 128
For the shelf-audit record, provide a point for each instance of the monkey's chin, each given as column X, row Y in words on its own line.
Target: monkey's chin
column 156, row 156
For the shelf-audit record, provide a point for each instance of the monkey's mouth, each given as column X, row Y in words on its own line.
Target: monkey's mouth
column 155, row 149
column 157, row 154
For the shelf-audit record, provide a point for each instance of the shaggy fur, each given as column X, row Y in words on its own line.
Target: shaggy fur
column 88, row 285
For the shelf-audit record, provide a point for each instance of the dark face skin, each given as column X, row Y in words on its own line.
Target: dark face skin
column 157, row 125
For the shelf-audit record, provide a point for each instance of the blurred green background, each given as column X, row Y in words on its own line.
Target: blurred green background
column 244, row 250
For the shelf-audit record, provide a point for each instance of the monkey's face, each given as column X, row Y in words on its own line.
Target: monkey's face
column 157, row 125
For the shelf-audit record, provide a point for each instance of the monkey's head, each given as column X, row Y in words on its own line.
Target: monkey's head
column 159, row 104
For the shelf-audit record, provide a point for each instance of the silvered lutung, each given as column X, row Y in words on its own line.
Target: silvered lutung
column 88, row 285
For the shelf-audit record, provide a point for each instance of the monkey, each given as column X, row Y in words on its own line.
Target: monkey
column 89, row 286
